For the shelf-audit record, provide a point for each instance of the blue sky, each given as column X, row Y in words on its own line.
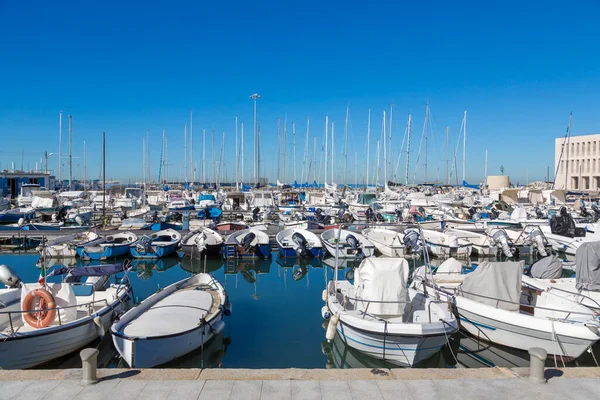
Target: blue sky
column 518, row 68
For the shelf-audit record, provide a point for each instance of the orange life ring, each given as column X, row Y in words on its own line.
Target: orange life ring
column 40, row 313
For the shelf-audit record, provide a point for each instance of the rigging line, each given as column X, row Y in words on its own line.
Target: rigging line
column 419, row 153
column 401, row 150
column 460, row 133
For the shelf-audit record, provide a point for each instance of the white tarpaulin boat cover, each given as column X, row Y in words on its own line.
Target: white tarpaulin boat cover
column 382, row 279
column 587, row 259
column 496, row 281
column 547, row 268
column 450, row 266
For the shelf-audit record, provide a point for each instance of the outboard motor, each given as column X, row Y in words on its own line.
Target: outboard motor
column 369, row 214
column 247, row 242
column 354, row 243
column 596, row 210
column 301, row 244
column 9, row 277
column 500, row 238
column 584, row 212
column 538, row 213
column 144, row 244
column 379, row 217
column 412, row 241
column 62, row 214
column 255, row 214
column 399, row 217
column 537, row 240
column 340, row 215
column 472, row 211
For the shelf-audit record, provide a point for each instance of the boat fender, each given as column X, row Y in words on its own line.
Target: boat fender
column 324, row 295
column 331, row 328
column 42, row 314
column 99, row 327
column 325, row 313
column 9, row 277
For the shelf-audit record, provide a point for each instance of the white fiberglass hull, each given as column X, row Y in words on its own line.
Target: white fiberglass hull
column 522, row 331
column 34, row 348
column 405, row 351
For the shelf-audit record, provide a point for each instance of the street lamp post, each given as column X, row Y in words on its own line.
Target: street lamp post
column 254, row 97
column 46, row 154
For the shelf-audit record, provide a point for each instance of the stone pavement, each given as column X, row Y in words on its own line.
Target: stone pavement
column 217, row 384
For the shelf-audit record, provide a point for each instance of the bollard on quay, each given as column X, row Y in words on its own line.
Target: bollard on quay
column 537, row 362
column 89, row 359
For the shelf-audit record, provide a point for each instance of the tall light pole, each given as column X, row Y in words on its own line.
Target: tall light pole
column 46, row 154
column 254, row 97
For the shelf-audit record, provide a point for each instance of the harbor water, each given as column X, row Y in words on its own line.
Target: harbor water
column 276, row 320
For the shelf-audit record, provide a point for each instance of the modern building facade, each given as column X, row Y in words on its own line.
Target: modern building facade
column 577, row 162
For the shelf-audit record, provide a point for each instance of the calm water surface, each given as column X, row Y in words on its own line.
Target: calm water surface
column 276, row 318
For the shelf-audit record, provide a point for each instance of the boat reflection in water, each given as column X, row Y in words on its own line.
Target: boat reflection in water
column 249, row 270
column 299, row 266
column 208, row 356
column 196, row 266
column 144, row 268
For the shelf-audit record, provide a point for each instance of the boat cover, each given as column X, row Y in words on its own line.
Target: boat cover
column 450, row 266
column 519, row 214
column 547, row 268
column 587, row 259
column 495, row 281
column 382, row 279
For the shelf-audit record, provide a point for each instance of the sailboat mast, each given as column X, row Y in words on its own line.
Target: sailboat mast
column 314, row 159
column 222, row 158
column 285, row 149
column 485, row 169
column 377, row 177
column 237, row 162
column 384, row 152
column 215, row 158
column 185, row 165
column 368, row 144
column 426, row 127
column 192, row 169
column 346, row 147
column 306, row 163
column 332, row 153
column 391, row 150
column 326, row 149
column 84, row 166
column 294, row 146
column 70, row 152
column 568, row 148
column 407, row 148
column 278, row 148
column 203, row 156
column 242, row 128
column 60, row 148
column 447, row 160
column 465, row 147
column 143, row 162
column 148, row 178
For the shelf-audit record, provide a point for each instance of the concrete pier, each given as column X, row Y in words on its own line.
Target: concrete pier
column 371, row 384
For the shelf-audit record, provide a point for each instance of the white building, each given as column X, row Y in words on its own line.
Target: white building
column 579, row 167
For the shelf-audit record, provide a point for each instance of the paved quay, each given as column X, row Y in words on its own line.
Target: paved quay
column 217, row 384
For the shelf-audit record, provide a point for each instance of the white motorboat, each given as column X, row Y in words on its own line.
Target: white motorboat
column 442, row 244
column 202, row 241
column 391, row 243
column 481, row 244
column 65, row 246
column 350, row 245
column 110, row 246
column 380, row 317
column 546, row 275
column 493, row 306
column 297, row 242
column 172, row 322
column 83, row 312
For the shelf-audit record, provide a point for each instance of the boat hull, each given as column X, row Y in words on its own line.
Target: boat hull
column 21, row 352
column 235, row 251
column 289, row 252
column 212, row 250
column 151, row 352
column 104, row 253
column 154, row 251
column 405, row 351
